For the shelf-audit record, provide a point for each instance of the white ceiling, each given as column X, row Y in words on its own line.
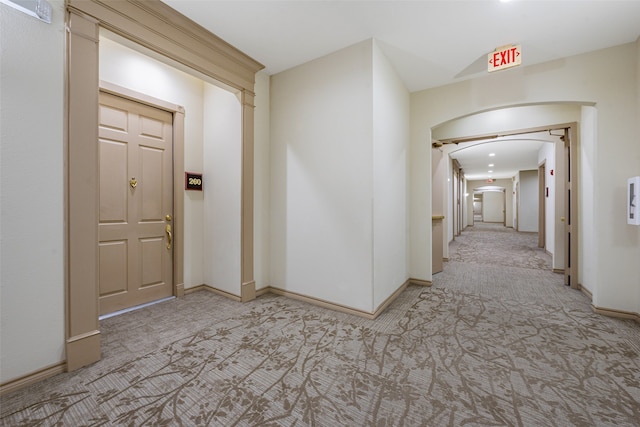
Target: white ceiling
column 511, row 154
column 430, row 43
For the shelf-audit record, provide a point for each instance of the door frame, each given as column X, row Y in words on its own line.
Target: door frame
column 177, row 172
column 566, row 203
column 542, row 205
column 570, row 188
column 188, row 44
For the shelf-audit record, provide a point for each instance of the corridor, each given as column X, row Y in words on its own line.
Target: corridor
column 495, row 261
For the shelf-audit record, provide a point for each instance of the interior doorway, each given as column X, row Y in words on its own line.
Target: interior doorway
column 205, row 54
column 563, row 229
column 477, row 206
column 135, row 228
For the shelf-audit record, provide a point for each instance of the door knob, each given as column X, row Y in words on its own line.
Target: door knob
column 133, row 182
column 168, row 217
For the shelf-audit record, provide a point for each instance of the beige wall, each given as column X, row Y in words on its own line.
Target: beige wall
column 321, row 180
column 32, row 192
column 339, row 144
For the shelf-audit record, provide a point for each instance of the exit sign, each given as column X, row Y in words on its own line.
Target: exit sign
column 505, row 57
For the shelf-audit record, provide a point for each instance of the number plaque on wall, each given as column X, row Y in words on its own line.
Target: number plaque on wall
column 193, row 181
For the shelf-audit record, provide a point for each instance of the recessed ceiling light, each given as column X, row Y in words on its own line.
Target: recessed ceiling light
column 490, row 171
column 492, row 154
column 491, row 165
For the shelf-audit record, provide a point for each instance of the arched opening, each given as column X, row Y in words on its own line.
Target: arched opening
column 517, row 130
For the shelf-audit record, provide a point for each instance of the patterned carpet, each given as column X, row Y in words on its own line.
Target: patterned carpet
column 459, row 353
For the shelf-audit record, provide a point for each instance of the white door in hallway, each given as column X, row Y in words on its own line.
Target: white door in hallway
column 136, row 202
column 493, row 206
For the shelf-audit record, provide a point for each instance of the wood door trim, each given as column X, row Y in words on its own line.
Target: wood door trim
column 183, row 41
column 571, row 203
column 542, row 205
column 157, row 26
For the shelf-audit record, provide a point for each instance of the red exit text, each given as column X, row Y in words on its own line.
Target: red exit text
column 504, row 57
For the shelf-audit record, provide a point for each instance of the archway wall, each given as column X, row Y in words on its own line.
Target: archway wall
column 573, row 82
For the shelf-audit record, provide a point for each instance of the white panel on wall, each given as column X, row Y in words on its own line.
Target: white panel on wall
column 262, row 177
column 390, row 168
column 222, row 174
column 588, row 254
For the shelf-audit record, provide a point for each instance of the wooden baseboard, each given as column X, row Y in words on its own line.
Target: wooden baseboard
column 248, row 291
column 319, row 302
column 262, row 291
column 378, row 311
column 419, row 282
column 620, row 314
column 179, row 290
column 214, row 290
column 558, row 270
column 33, row 378
column 585, row 291
column 312, row 300
column 343, row 308
column 83, row 350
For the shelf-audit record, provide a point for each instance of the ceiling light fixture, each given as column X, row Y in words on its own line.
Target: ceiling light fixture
column 491, row 165
column 492, row 154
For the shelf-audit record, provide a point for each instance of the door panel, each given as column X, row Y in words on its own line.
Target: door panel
column 113, row 267
column 151, row 166
column 152, row 261
column 113, row 195
column 135, row 148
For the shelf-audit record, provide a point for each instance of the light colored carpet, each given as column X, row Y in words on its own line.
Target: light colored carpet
column 474, row 349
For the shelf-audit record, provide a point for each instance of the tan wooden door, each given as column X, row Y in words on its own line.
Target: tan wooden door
column 136, row 200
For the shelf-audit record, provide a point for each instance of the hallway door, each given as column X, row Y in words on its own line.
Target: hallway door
column 571, row 211
column 136, row 201
column 542, row 206
column 493, row 206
